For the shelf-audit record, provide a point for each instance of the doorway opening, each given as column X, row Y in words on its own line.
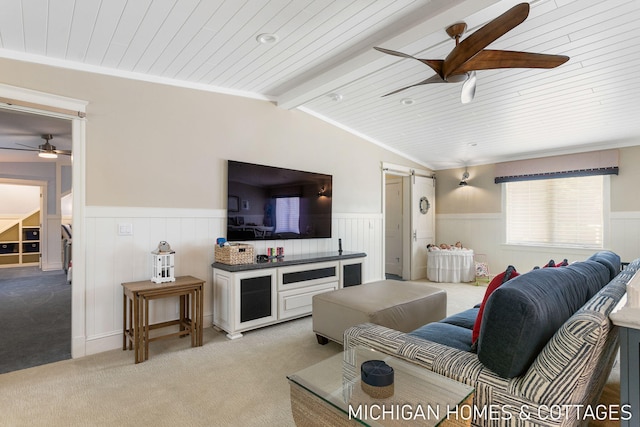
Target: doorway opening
column 396, row 228
column 409, row 221
column 50, row 337
column 35, row 297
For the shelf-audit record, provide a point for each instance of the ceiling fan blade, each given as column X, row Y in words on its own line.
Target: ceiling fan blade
column 480, row 39
column 394, row 52
column 63, row 152
column 435, row 64
column 25, row 145
column 493, row 59
column 469, row 88
column 433, row 79
column 19, row 149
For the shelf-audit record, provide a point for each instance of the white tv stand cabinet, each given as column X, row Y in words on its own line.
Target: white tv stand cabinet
column 249, row 296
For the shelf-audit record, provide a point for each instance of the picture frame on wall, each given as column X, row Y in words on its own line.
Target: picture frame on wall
column 233, row 204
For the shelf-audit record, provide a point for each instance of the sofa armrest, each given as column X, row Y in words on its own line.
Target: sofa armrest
column 459, row 365
column 491, row 390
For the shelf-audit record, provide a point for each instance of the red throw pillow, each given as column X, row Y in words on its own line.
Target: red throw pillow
column 495, row 283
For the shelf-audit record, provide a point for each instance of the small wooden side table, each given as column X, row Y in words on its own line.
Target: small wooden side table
column 135, row 312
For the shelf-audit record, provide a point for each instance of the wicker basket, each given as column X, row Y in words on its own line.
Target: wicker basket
column 234, row 254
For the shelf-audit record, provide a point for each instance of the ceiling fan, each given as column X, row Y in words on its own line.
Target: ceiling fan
column 46, row 150
column 470, row 54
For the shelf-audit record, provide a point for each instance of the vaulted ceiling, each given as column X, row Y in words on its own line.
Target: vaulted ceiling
column 322, row 61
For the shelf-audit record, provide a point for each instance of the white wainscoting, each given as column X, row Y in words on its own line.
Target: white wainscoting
column 484, row 233
column 113, row 259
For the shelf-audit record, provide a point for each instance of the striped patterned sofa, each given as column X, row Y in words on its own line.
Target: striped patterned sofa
column 561, row 387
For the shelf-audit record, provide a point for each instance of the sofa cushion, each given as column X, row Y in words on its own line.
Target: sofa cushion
column 495, row 283
column 523, row 314
column 464, row 319
column 446, row 334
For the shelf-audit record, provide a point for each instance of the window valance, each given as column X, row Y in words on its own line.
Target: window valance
column 604, row 162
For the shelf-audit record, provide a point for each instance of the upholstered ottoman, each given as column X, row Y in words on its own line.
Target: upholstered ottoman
column 403, row 306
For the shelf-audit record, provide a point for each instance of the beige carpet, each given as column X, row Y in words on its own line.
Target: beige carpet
column 224, row 383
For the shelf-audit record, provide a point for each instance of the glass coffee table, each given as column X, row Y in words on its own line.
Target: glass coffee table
column 329, row 393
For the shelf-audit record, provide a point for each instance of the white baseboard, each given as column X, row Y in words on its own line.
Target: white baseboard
column 113, row 340
column 52, row 266
column 104, row 342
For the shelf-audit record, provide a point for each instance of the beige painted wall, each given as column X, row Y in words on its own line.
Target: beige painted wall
column 624, row 187
column 152, row 145
column 482, row 195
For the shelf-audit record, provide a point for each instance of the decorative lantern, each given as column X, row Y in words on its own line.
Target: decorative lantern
column 162, row 263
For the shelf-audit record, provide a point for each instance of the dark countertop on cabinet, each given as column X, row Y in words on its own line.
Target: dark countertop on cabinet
column 290, row 260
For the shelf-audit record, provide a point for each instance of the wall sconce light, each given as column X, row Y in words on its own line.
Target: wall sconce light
column 321, row 192
column 465, row 177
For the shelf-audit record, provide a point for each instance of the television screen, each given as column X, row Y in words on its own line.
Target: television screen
column 271, row 203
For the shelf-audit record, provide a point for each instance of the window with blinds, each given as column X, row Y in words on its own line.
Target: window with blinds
column 566, row 212
column 288, row 215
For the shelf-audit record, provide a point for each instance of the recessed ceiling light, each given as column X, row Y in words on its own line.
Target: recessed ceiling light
column 407, row 101
column 472, row 144
column 267, row 38
column 335, row 97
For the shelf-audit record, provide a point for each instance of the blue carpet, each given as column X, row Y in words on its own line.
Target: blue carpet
column 35, row 314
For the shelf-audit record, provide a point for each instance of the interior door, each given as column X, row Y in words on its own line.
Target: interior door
column 422, row 223
column 393, row 226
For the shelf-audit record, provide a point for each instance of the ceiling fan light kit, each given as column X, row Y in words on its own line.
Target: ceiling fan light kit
column 47, row 150
column 468, row 88
column 470, row 55
column 47, row 155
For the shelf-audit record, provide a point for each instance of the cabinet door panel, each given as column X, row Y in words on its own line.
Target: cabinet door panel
column 298, row 302
column 256, row 302
column 255, row 298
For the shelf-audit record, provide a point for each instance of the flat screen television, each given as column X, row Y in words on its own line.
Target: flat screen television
column 272, row 203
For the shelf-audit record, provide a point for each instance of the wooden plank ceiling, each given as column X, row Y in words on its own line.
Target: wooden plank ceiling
column 324, row 64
